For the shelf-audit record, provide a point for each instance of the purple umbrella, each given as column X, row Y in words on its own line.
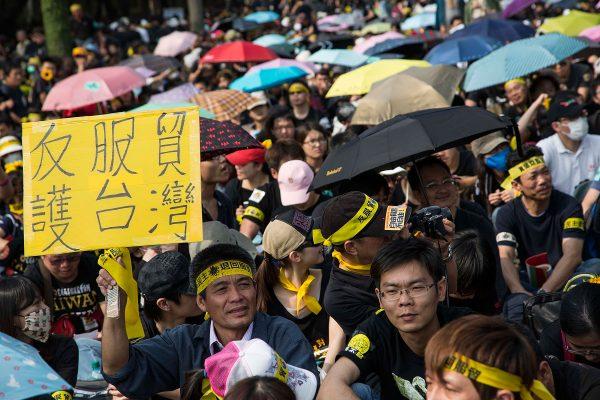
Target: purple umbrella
column 178, row 94
column 516, row 6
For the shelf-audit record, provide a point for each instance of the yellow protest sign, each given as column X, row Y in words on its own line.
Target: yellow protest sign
column 115, row 180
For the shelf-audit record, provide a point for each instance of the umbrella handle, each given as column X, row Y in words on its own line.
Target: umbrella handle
column 515, row 129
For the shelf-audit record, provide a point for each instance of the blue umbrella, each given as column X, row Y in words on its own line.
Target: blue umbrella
column 262, row 17
column 24, row 373
column 267, row 78
column 504, row 30
column 462, row 49
column 520, row 58
column 419, row 21
column 392, row 44
column 269, row 40
column 346, row 58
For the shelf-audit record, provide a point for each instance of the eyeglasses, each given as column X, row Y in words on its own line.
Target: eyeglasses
column 68, row 259
column 437, row 185
column 316, row 142
column 412, row 292
column 582, row 352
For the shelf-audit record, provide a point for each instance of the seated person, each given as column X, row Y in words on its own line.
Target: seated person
column 410, row 284
column 541, row 220
column 68, row 285
column 223, row 279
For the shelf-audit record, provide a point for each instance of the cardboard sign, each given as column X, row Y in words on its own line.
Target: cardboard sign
column 396, row 217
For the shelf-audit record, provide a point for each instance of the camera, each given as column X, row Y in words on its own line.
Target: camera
column 429, row 220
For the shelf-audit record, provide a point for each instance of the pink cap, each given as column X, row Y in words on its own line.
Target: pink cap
column 243, row 359
column 294, row 178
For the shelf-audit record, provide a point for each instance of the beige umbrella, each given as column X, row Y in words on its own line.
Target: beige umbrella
column 407, row 92
column 224, row 104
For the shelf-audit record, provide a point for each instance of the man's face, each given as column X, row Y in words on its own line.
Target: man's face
column 440, row 187
column 323, row 83
column 452, row 386
column 14, row 77
column 367, row 247
column 563, row 69
column 409, row 296
column 516, row 93
column 230, row 301
column 535, row 184
column 283, row 128
column 298, row 98
column 63, row 267
column 214, row 171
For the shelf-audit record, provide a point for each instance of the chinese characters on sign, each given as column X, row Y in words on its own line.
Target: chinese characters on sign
column 116, row 180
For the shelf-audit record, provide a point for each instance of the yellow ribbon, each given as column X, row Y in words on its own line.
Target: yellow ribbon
column 219, row 270
column 495, row 377
column 347, row 266
column 301, row 293
column 521, row 168
column 123, row 275
column 357, row 223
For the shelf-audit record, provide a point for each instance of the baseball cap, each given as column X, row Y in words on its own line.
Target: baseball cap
column 485, row 144
column 260, row 99
column 215, row 232
column 242, row 359
column 294, row 178
column 242, row 157
column 564, row 108
column 347, row 207
column 166, row 273
column 286, row 233
column 9, row 144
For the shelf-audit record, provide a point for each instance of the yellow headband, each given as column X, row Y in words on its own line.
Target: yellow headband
column 495, row 377
column 298, row 87
column 519, row 169
column 517, row 80
column 351, row 228
column 219, row 270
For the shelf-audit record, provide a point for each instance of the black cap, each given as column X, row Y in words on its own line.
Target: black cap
column 167, row 273
column 564, row 108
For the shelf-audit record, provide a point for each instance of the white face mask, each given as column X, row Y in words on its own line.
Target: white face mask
column 578, row 129
column 38, row 324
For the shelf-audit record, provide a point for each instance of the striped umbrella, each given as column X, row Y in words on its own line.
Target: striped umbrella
column 224, row 104
column 520, row 58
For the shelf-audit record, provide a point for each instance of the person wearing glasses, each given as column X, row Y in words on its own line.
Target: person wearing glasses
column 68, row 285
column 410, row 284
column 314, row 144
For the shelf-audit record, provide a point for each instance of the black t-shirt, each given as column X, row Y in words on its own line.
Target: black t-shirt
column 580, row 76
column 544, row 233
column 226, row 212
column 79, row 299
column 314, row 326
column 313, row 117
column 15, row 262
column 377, row 347
column 236, row 193
column 62, row 355
column 20, row 106
column 574, row 381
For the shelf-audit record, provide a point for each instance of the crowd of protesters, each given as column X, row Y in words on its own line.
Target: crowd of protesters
column 302, row 294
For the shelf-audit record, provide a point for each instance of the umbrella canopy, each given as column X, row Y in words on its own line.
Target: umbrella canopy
column 520, row 58
column 262, row 17
column 373, row 40
column 285, row 50
column 592, row 33
column 25, row 373
column 163, row 106
column 92, row 86
column 243, row 25
column 269, row 40
column 175, row 43
column 394, row 44
column 219, row 138
column 238, row 51
column 469, row 48
column 406, row 138
column 179, row 93
column 376, row 28
column 419, row 21
column 224, row 104
column 151, row 62
column 336, row 22
column 346, row 58
column 412, row 90
column 504, row 30
column 360, row 80
column 516, row 6
column 309, row 67
column 267, row 78
column 571, row 24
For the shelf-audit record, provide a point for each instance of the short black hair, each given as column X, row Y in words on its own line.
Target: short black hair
column 218, row 252
column 529, row 151
column 471, row 255
column 400, row 252
column 286, row 148
column 413, row 178
column 579, row 311
column 152, row 311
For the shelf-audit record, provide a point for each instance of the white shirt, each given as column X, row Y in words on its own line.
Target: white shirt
column 568, row 169
column 215, row 346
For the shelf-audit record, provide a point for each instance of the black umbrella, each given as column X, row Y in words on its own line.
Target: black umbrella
column 218, row 138
column 406, row 138
column 152, row 62
column 243, row 25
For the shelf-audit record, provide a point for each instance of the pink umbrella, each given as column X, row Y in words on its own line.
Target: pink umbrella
column 175, row 43
column 285, row 62
column 373, row 40
column 592, row 33
column 92, row 86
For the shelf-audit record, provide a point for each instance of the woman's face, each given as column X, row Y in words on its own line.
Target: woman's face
column 516, row 93
column 312, row 255
column 314, row 145
column 452, row 386
column 20, row 318
column 248, row 170
column 586, row 346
